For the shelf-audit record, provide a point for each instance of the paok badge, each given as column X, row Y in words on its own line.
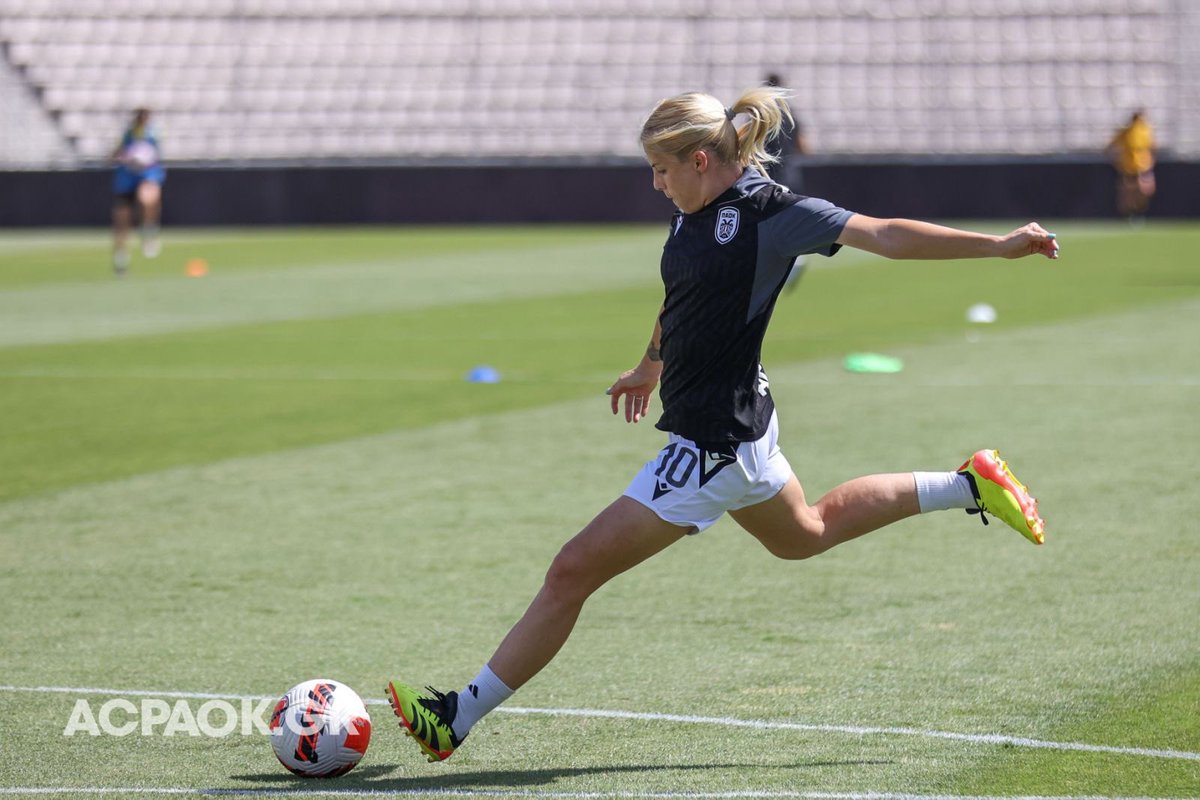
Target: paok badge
column 727, row 224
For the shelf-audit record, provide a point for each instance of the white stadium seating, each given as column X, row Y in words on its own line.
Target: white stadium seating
column 235, row 80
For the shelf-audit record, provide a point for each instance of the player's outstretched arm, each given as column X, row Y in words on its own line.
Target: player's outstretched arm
column 908, row 238
column 636, row 385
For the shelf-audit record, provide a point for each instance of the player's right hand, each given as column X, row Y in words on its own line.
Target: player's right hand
column 636, row 385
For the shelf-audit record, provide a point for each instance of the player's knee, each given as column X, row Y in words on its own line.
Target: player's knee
column 569, row 579
column 796, row 550
column 803, row 538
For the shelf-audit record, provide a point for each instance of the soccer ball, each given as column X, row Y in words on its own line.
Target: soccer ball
column 320, row 729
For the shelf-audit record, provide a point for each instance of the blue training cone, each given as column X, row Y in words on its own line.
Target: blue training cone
column 483, row 374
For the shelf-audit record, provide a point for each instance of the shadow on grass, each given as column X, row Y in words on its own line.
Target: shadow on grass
column 373, row 777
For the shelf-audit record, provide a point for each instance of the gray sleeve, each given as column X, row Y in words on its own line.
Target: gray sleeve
column 811, row 225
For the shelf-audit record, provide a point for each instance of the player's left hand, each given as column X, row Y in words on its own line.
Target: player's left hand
column 1030, row 240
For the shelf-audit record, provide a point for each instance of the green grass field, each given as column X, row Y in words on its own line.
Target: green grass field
column 218, row 487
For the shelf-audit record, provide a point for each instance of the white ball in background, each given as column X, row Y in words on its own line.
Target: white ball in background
column 981, row 313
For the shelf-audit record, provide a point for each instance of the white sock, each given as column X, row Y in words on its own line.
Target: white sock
column 478, row 698
column 938, row 491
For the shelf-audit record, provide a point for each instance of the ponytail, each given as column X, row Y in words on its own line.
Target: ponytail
column 739, row 134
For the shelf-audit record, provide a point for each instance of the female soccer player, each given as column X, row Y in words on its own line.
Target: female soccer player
column 726, row 258
column 137, row 185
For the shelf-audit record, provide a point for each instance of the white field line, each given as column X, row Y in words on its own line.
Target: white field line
column 729, row 795
column 974, row 738
column 732, row 722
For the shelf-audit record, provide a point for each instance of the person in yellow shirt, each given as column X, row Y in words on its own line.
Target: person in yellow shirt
column 1132, row 153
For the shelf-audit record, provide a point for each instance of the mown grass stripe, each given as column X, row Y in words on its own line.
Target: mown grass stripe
column 732, row 722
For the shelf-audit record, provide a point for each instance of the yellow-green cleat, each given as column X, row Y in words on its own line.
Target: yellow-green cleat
column 426, row 719
column 998, row 492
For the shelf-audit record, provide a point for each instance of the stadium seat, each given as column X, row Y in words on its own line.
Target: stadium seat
column 572, row 77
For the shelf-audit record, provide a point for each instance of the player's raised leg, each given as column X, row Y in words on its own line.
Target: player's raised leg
column 790, row 528
column 620, row 537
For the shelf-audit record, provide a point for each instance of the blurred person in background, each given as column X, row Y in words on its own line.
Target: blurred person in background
column 137, row 189
column 1132, row 154
column 788, row 148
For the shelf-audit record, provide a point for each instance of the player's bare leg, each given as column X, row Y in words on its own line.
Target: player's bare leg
column 621, row 536
column 149, row 195
column 790, row 528
column 122, row 223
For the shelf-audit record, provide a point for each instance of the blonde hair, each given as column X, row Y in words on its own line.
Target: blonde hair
column 681, row 125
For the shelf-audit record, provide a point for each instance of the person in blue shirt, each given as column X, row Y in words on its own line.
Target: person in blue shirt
column 137, row 189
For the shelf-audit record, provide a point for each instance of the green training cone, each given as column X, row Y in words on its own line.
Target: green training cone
column 873, row 362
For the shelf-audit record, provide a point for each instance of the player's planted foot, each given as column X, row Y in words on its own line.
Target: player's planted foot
column 426, row 719
column 998, row 492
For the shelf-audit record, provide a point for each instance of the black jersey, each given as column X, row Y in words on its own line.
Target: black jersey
column 723, row 268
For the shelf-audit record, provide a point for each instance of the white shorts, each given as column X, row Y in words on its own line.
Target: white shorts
column 692, row 487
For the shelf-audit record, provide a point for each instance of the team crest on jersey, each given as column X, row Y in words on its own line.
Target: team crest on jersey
column 727, row 224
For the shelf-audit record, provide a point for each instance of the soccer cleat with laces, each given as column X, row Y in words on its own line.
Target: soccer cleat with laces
column 426, row 719
column 998, row 492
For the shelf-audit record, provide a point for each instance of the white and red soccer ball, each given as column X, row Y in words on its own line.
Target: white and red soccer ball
column 320, row 729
